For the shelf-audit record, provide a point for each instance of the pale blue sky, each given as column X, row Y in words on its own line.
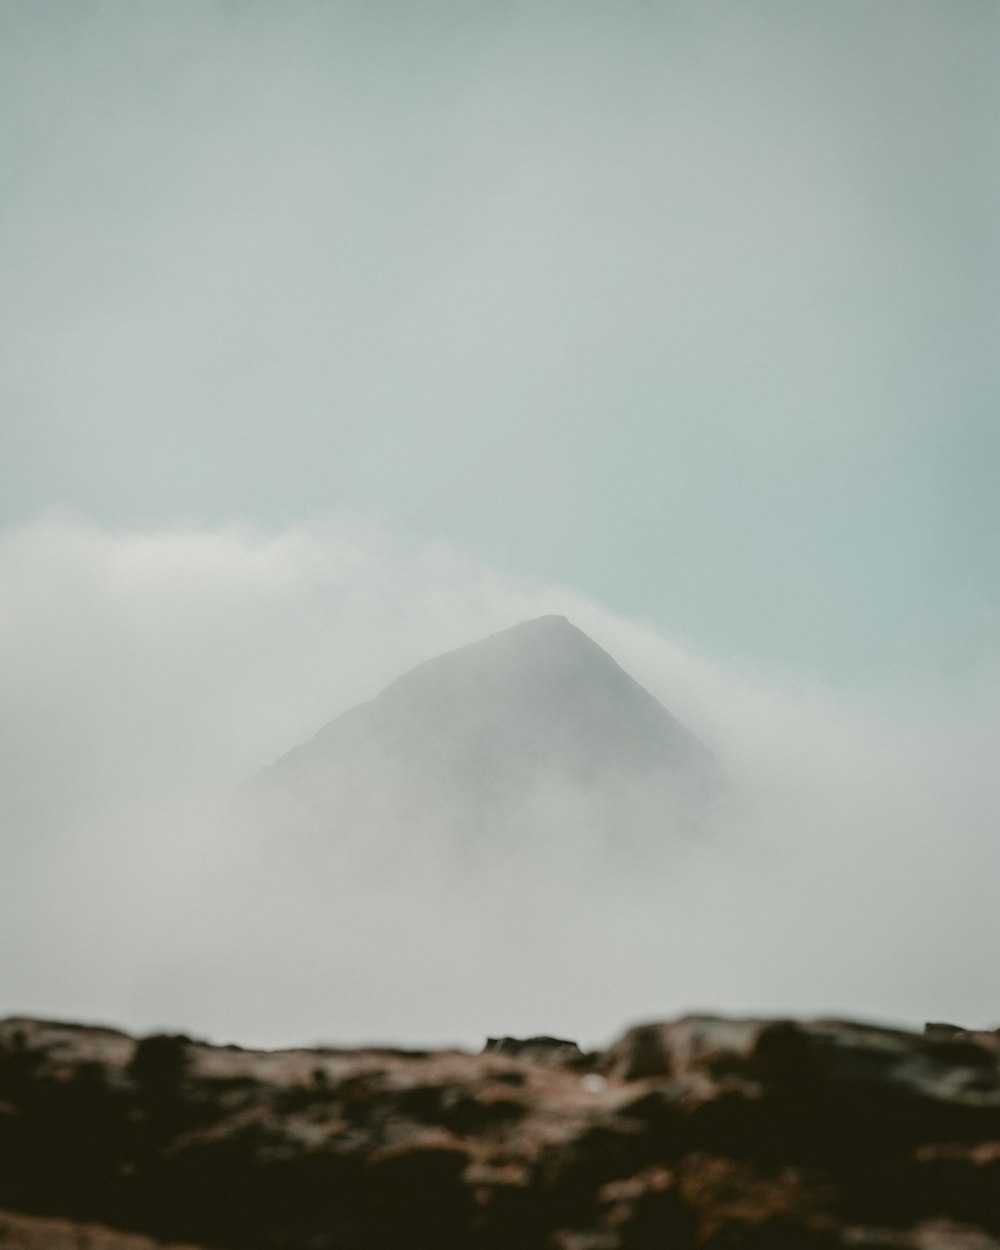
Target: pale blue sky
column 690, row 305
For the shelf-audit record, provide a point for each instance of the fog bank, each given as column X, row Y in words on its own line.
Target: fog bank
column 145, row 676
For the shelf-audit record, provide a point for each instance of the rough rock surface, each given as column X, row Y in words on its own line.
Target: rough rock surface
column 32, row 1232
column 699, row 1133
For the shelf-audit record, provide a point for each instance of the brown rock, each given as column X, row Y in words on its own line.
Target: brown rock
column 703, row 1132
column 32, row 1232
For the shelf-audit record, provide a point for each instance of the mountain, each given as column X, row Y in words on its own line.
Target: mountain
column 531, row 725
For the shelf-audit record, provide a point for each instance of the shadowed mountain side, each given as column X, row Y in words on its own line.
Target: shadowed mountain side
column 529, row 729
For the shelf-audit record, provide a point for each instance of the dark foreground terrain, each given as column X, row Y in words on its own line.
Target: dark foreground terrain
column 703, row 1132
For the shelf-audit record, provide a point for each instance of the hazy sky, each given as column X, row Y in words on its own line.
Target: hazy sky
column 690, row 305
column 334, row 335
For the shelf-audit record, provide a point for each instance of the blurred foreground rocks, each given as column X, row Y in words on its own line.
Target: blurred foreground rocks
column 704, row 1132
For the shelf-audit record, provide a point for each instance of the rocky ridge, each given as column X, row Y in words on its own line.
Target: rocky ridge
column 703, row 1132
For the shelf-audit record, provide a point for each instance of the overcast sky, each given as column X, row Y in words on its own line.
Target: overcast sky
column 691, row 305
column 336, row 334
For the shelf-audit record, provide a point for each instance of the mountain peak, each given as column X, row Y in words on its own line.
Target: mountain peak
column 536, row 707
column 544, row 642
column 547, row 625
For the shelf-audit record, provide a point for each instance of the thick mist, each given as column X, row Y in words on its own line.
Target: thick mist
column 335, row 335
column 147, row 677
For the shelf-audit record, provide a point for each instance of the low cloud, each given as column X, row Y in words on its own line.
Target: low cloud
column 144, row 677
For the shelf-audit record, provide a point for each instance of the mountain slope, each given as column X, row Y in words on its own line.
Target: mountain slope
column 535, row 723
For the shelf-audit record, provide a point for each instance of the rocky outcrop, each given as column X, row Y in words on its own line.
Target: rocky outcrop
column 542, row 1048
column 698, row 1133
